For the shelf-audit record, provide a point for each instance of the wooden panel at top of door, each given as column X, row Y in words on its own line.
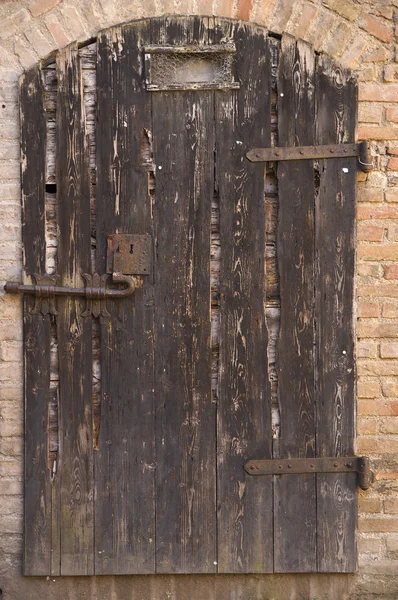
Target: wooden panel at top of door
column 243, row 120
column 183, row 146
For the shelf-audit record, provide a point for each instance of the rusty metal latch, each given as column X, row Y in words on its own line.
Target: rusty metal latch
column 361, row 151
column 127, row 255
column 289, row 466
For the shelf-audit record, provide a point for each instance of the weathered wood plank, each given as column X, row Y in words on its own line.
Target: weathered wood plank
column 74, row 331
column 243, row 119
column 38, row 486
column 336, row 98
column 125, row 463
column 295, row 495
column 183, row 125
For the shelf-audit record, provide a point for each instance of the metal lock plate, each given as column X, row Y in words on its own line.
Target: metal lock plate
column 129, row 253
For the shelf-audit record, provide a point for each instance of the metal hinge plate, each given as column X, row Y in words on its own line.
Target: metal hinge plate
column 361, row 151
column 289, row 466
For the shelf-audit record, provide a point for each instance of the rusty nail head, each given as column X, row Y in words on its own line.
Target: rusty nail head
column 289, row 466
column 349, row 465
column 301, row 151
column 336, row 464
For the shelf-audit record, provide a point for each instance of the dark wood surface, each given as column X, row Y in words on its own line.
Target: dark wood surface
column 336, row 98
column 183, row 125
column 295, row 495
column 36, row 331
column 171, row 494
column 124, row 462
column 244, row 407
column 73, row 330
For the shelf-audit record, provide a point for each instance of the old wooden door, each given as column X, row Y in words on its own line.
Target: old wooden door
column 139, row 422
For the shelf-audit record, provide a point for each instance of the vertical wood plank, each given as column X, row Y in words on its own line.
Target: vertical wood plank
column 336, row 98
column 295, row 495
column 38, row 485
column 183, row 124
column 124, row 463
column 243, row 121
column 74, row 331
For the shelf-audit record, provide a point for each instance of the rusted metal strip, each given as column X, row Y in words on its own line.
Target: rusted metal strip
column 346, row 464
column 360, row 150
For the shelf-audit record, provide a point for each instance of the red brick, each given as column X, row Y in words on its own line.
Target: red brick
column 281, row 15
column 388, row 350
column 366, row 213
column 225, row 8
column 302, row 25
column 368, row 309
column 391, row 73
column 377, row 445
column 57, row 31
column 392, row 164
column 368, row 389
column 366, row 349
column 391, row 271
column 354, row 51
column 390, row 311
column 392, row 196
column 39, row 7
column 345, row 8
column 378, row 408
column 392, row 149
column 10, row 25
column 386, row 290
column 377, row 92
column 367, row 426
column 366, row 329
column 389, row 426
column 379, row 54
column 370, row 113
column 391, row 506
column 392, row 115
column 390, row 389
column 369, row 132
column 386, row 475
column 369, row 505
column 245, row 8
column 369, row 270
column 369, row 194
column 264, row 11
column 378, row 252
column 369, row 546
column 370, row 233
column 375, row 27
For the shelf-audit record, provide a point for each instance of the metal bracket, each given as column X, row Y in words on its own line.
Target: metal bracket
column 289, row 466
column 129, row 253
column 361, row 151
column 95, row 291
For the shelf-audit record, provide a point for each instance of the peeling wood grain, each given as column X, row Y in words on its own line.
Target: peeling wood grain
column 74, row 331
column 295, row 497
column 183, row 145
column 244, row 405
column 336, row 99
column 124, row 461
column 36, row 331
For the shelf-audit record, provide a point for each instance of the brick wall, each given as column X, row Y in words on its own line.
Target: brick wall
column 361, row 34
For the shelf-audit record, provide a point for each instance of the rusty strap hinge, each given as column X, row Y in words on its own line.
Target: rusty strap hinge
column 127, row 255
column 289, row 466
column 361, row 151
